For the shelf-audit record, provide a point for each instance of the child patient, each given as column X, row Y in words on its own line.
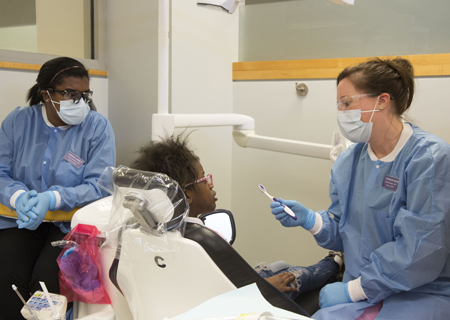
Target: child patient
column 173, row 157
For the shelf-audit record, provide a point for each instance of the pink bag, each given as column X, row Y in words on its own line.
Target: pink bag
column 79, row 264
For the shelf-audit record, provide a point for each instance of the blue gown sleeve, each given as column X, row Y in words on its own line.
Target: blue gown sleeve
column 421, row 230
column 8, row 186
column 102, row 153
column 329, row 237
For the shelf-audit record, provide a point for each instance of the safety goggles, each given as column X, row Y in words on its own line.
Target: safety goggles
column 75, row 95
column 207, row 178
column 345, row 102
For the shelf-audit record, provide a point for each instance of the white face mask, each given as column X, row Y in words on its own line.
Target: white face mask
column 352, row 127
column 70, row 112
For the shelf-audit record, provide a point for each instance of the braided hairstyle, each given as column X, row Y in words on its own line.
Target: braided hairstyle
column 395, row 77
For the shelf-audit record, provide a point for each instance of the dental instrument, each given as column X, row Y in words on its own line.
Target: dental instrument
column 43, row 309
column 32, row 315
column 286, row 209
column 50, row 301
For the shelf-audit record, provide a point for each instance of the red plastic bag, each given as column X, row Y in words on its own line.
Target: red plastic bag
column 80, row 270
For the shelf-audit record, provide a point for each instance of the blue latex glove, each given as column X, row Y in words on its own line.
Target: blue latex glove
column 333, row 294
column 24, row 202
column 305, row 217
column 46, row 201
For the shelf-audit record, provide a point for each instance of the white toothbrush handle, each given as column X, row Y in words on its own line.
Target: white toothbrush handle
column 289, row 212
column 270, row 197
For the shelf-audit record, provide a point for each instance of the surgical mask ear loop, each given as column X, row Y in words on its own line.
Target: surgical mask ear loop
column 373, row 111
column 51, row 100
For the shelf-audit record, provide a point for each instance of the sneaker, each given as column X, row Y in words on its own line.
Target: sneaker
column 339, row 259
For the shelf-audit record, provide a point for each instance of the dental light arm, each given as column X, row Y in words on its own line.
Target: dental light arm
column 227, row 5
column 243, row 133
column 248, row 139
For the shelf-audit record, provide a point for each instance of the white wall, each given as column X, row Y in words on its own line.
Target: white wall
column 132, row 56
column 14, row 85
column 204, row 45
column 280, row 112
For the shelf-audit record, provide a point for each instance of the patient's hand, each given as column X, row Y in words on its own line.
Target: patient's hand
column 281, row 281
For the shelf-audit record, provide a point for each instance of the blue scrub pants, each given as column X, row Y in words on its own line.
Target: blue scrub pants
column 27, row 257
column 306, row 278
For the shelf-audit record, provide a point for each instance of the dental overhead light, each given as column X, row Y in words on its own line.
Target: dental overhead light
column 344, row 2
column 227, row 5
column 230, row 6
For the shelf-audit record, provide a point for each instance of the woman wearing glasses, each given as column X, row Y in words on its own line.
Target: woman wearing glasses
column 51, row 155
column 390, row 203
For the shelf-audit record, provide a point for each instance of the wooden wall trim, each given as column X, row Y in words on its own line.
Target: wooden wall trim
column 424, row 65
column 28, row 66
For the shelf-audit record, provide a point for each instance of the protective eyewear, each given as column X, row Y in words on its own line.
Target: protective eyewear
column 207, row 178
column 345, row 102
column 75, row 95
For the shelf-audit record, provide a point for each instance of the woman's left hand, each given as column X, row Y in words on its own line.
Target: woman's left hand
column 333, row 294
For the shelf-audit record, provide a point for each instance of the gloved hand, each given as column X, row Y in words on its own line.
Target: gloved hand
column 24, row 202
column 305, row 217
column 46, row 201
column 333, row 294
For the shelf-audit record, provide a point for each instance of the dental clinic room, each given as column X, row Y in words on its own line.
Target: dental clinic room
column 224, row 159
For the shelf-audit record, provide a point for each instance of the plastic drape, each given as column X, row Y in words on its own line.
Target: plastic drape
column 338, row 144
column 149, row 205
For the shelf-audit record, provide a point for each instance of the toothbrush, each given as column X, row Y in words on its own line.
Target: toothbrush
column 33, row 316
column 286, row 209
column 50, row 301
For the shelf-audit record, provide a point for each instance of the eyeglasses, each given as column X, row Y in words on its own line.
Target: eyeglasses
column 75, row 95
column 207, row 178
column 345, row 102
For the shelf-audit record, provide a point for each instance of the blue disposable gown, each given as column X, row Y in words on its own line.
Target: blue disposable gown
column 397, row 241
column 31, row 158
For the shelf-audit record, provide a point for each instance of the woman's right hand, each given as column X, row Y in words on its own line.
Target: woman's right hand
column 305, row 217
column 24, row 202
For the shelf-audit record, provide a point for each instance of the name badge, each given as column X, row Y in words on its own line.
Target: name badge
column 390, row 183
column 73, row 159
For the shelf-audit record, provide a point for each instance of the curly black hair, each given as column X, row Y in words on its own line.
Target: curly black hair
column 170, row 156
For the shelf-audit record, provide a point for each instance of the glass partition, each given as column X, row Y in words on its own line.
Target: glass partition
column 320, row 29
column 34, row 31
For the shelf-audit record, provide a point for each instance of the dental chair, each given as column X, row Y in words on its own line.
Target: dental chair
column 154, row 264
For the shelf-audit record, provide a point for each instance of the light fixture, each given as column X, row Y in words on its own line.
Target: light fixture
column 227, row 5
column 344, row 2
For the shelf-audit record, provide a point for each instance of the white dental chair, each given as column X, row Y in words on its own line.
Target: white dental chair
column 155, row 265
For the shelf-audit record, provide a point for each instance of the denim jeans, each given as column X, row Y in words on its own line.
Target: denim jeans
column 306, row 278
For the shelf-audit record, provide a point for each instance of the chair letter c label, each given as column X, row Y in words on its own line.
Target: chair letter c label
column 158, row 263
